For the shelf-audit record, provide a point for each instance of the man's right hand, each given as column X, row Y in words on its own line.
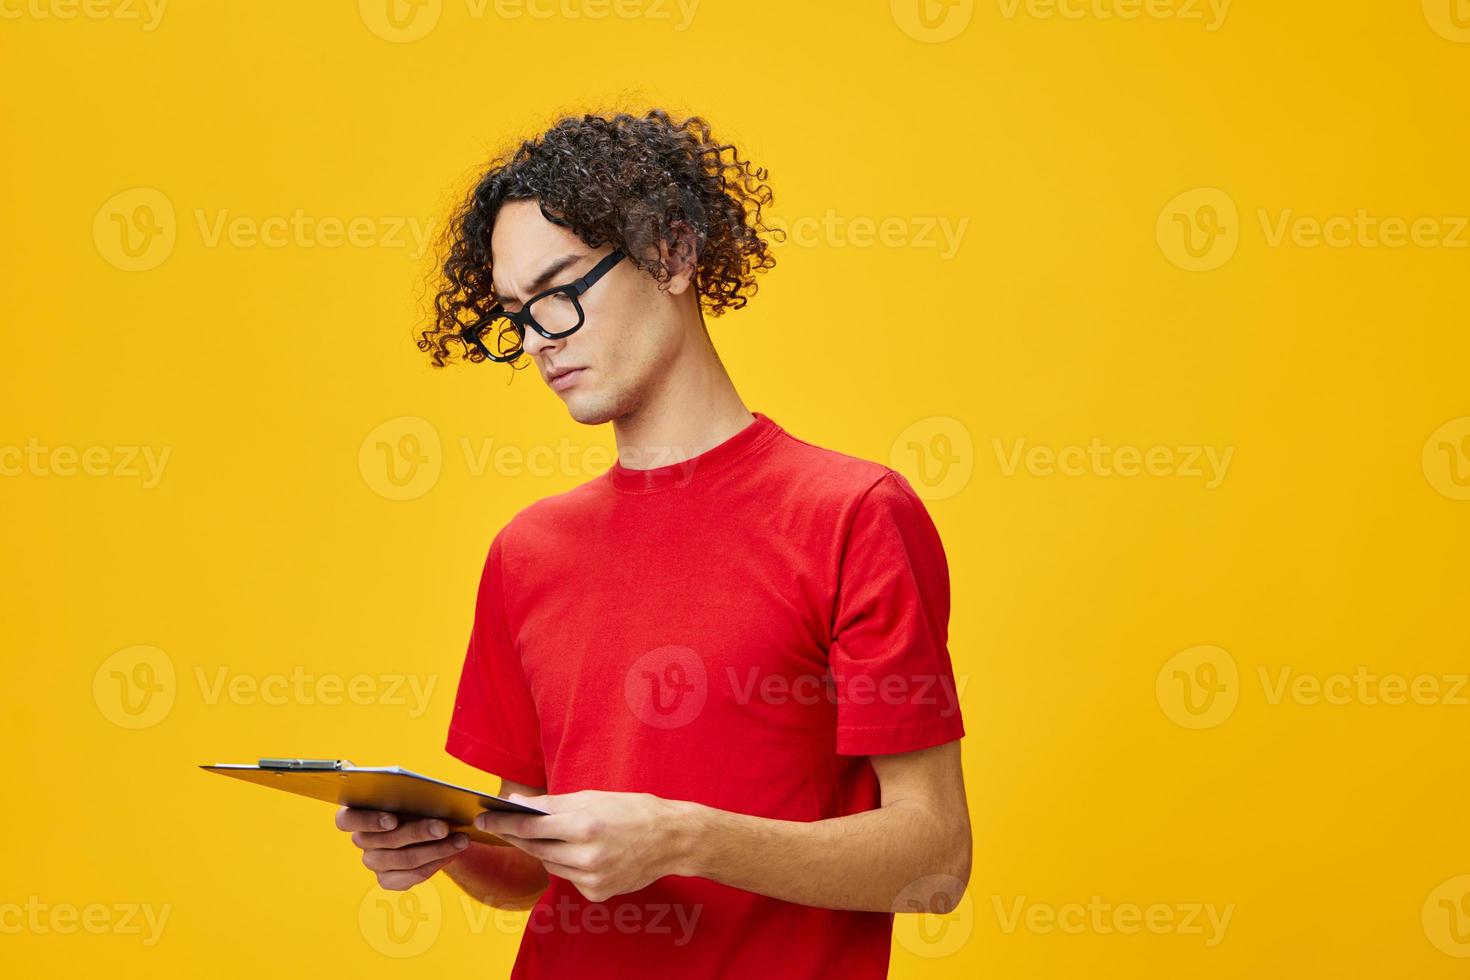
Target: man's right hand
column 400, row 852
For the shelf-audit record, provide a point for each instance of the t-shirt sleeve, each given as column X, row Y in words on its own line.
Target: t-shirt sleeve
column 889, row 655
column 494, row 726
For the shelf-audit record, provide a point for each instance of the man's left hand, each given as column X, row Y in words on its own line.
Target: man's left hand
column 604, row 843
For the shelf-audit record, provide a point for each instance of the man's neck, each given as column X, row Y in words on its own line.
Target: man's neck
column 695, row 408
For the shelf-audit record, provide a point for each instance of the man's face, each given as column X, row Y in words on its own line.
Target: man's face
column 631, row 329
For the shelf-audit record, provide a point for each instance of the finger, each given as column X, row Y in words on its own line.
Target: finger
column 351, row 818
column 410, row 832
column 397, row 881
column 555, row 826
column 560, row 852
column 413, row 856
column 590, row 886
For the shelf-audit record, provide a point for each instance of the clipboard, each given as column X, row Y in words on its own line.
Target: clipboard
column 388, row 788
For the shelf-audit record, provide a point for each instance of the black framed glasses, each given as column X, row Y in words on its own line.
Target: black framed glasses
column 553, row 313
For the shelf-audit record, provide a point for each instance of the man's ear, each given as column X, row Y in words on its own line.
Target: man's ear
column 681, row 258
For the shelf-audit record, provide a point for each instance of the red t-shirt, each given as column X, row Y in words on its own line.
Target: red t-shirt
column 741, row 629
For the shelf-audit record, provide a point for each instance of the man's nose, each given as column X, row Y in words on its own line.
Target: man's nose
column 536, row 345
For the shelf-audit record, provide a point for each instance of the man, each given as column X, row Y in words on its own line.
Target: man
column 721, row 666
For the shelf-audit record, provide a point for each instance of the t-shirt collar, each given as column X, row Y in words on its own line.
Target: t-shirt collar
column 754, row 435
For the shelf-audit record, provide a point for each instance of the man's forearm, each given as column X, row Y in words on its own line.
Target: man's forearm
column 900, row 857
column 502, row 877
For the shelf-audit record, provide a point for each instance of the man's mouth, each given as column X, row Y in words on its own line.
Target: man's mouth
column 563, row 377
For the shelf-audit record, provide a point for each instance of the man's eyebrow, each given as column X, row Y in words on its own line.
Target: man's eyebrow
column 541, row 281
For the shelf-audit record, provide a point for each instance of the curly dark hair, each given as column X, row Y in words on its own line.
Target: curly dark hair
column 627, row 181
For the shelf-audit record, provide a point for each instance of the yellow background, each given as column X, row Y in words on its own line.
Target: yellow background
column 1335, row 541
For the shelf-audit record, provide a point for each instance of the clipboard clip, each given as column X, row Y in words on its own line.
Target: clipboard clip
column 299, row 765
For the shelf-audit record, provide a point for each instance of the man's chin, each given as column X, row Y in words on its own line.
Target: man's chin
column 587, row 408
